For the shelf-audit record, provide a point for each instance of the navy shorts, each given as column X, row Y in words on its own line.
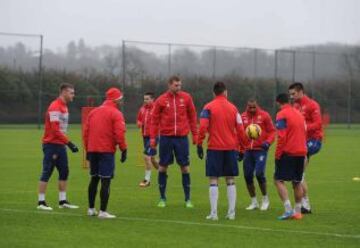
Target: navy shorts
column 170, row 146
column 254, row 164
column 54, row 156
column 221, row 163
column 289, row 168
column 313, row 146
column 102, row 164
column 147, row 149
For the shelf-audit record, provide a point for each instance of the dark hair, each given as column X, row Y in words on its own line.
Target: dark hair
column 219, row 88
column 252, row 100
column 151, row 94
column 297, row 86
column 282, row 98
column 173, row 79
column 65, row 86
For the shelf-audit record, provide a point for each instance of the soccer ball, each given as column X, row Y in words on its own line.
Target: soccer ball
column 253, row 131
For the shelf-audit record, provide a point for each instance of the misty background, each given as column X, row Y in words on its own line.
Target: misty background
column 256, row 47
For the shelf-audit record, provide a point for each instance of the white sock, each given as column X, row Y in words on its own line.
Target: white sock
column 297, row 207
column 265, row 198
column 305, row 202
column 62, row 196
column 254, row 200
column 147, row 175
column 41, row 197
column 213, row 196
column 287, row 205
column 231, row 194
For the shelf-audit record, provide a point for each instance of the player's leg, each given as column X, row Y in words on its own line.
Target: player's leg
column 298, row 193
column 213, row 198
column 154, row 162
column 249, row 168
column 49, row 161
column 94, row 181
column 213, row 171
column 282, row 174
column 231, row 170
column 166, row 158
column 298, row 165
column 314, row 146
column 181, row 151
column 147, row 177
column 148, row 164
column 106, row 173
column 260, row 166
column 63, row 169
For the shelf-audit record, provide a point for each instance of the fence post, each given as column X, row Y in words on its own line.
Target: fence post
column 40, row 81
column 123, row 72
column 214, row 64
column 293, row 65
column 313, row 74
column 255, row 72
column 276, row 90
column 169, row 61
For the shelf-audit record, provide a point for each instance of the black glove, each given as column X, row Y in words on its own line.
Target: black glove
column 265, row 146
column 72, row 147
column 200, row 152
column 123, row 156
column 240, row 156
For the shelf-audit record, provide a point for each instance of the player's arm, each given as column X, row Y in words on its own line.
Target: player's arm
column 154, row 122
column 54, row 115
column 316, row 122
column 204, row 125
column 281, row 127
column 86, row 133
column 139, row 119
column 119, row 131
column 243, row 140
column 270, row 130
column 191, row 112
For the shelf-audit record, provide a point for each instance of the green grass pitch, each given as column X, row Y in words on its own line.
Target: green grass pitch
column 334, row 195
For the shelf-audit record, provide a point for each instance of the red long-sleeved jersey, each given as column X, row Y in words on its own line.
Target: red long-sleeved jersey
column 144, row 119
column 312, row 114
column 263, row 119
column 104, row 129
column 291, row 132
column 221, row 119
column 174, row 115
column 56, row 123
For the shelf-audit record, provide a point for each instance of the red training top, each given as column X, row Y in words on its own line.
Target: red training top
column 312, row 114
column 144, row 119
column 174, row 115
column 56, row 123
column 291, row 132
column 104, row 129
column 221, row 119
column 263, row 119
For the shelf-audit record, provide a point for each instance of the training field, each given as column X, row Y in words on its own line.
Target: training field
column 335, row 199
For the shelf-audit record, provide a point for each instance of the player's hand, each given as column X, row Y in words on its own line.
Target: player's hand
column 265, row 146
column 123, row 156
column 200, row 152
column 194, row 139
column 153, row 143
column 240, row 156
column 72, row 147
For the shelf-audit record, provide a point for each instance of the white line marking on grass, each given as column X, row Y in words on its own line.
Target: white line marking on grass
column 240, row 227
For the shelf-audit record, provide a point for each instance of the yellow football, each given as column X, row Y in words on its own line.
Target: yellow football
column 253, row 131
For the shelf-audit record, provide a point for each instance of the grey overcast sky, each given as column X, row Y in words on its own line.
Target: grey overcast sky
column 253, row 23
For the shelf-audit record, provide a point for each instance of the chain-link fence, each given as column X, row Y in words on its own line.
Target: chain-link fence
column 27, row 86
